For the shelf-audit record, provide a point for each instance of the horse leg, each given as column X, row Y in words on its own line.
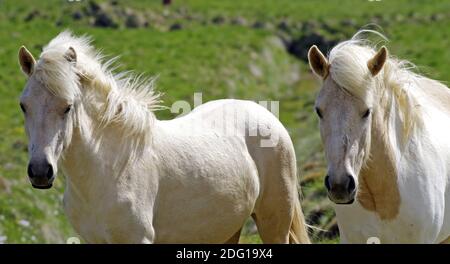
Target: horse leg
column 274, row 210
column 235, row 238
column 278, row 214
column 273, row 225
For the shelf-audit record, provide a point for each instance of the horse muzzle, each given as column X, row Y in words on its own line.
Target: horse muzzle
column 41, row 175
column 342, row 191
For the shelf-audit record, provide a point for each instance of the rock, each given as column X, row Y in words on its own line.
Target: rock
column 176, row 26
column 218, row 20
column 298, row 26
column 300, row 47
column 348, row 23
column 262, row 25
column 258, row 25
column 154, row 18
column 240, row 21
column 413, row 14
column 103, row 14
column 77, row 15
column 93, row 7
column 255, row 70
column 437, row 17
column 91, row 21
column 284, row 26
column 329, row 28
column 106, row 20
column 285, row 38
column 276, row 42
column 310, row 26
column 377, row 19
column 135, row 21
column 166, row 12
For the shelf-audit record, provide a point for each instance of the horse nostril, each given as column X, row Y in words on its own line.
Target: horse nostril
column 40, row 170
column 327, row 182
column 50, row 172
column 351, row 184
column 30, row 171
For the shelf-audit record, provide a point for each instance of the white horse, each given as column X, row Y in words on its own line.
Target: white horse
column 386, row 134
column 134, row 179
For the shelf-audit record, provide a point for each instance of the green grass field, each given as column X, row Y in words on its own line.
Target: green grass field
column 197, row 46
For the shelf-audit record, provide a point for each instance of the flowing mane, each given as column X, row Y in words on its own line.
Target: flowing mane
column 120, row 98
column 348, row 68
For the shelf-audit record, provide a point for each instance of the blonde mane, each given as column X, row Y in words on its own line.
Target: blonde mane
column 395, row 85
column 122, row 99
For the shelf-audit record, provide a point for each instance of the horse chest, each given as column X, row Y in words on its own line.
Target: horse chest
column 358, row 225
column 84, row 221
column 104, row 221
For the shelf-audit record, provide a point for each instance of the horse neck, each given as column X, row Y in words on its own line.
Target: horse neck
column 379, row 177
column 91, row 161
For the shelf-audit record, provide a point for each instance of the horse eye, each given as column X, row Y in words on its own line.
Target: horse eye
column 367, row 113
column 23, row 108
column 68, row 109
column 319, row 113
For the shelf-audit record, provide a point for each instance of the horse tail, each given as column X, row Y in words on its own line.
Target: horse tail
column 298, row 233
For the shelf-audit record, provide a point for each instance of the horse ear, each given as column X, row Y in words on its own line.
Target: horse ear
column 318, row 63
column 71, row 55
column 377, row 62
column 26, row 61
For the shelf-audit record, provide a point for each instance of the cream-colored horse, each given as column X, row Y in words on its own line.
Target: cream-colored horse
column 134, row 179
column 386, row 136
